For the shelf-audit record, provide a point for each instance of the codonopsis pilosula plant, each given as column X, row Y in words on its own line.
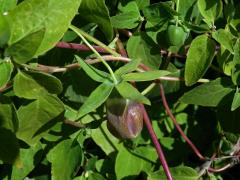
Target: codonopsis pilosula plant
column 124, row 117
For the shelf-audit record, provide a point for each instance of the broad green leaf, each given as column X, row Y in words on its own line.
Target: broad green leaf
column 4, row 30
column 37, row 117
column 9, row 147
column 96, row 99
column 236, row 101
column 225, row 60
column 129, row 16
column 142, row 3
column 129, row 67
column 209, row 94
column 32, row 15
column 8, row 115
column 185, row 8
column 199, row 58
column 132, row 163
column 142, row 47
column 236, row 64
column 95, row 74
column 6, row 5
column 96, row 11
column 178, row 173
column 6, row 68
column 145, row 76
column 31, row 85
column 28, row 160
column 225, row 38
column 65, row 158
column 25, row 49
column 210, row 10
column 127, row 91
column 104, row 139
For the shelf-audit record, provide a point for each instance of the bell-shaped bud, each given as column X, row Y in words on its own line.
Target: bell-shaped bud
column 124, row 118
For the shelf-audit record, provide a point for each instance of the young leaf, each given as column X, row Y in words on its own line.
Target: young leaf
column 96, row 98
column 210, row 10
column 37, row 117
column 142, row 47
column 129, row 67
column 225, row 38
column 236, row 101
column 97, row 12
column 66, row 152
column 145, row 76
column 26, row 48
column 95, row 74
column 129, row 92
column 31, row 85
column 178, row 173
column 6, row 68
column 199, row 58
column 209, row 94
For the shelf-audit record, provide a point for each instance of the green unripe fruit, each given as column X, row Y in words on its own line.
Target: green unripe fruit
column 176, row 35
column 4, row 30
column 124, row 118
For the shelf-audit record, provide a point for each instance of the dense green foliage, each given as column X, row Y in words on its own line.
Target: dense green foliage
column 53, row 118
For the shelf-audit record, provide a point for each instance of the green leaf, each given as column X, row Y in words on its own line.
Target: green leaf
column 96, row 98
column 6, row 68
column 142, row 47
column 145, row 76
column 5, row 31
column 199, row 58
column 128, row 18
column 225, row 60
column 104, row 139
column 32, row 15
column 25, row 49
column 129, row 92
column 235, row 71
column 129, row 67
column 8, row 115
column 28, row 159
column 65, row 158
column 178, row 173
column 210, row 94
column 225, row 38
column 236, row 101
column 96, row 11
column 210, row 10
column 132, row 163
column 37, row 117
column 6, row 5
column 31, row 85
column 9, row 147
column 95, row 74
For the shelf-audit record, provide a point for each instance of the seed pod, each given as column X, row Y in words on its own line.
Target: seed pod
column 124, row 118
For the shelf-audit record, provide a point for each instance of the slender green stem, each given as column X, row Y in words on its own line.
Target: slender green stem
column 79, row 32
column 148, row 89
column 177, row 9
column 94, row 40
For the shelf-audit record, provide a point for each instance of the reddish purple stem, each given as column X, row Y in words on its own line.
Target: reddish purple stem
column 79, row 47
column 156, row 143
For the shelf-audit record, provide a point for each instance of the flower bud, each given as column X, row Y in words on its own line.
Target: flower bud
column 124, row 118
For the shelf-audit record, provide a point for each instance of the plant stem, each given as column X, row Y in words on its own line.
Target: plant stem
column 94, row 40
column 156, row 143
column 148, row 89
column 79, row 32
column 168, row 110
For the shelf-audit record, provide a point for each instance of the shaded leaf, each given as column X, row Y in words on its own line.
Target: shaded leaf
column 127, row 91
column 6, row 68
column 95, row 74
column 96, row 98
column 99, row 14
column 199, row 58
column 145, row 76
column 31, row 85
column 65, row 158
column 37, row 117
column 236, row 101
column 209, row 94
column 5, row 31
